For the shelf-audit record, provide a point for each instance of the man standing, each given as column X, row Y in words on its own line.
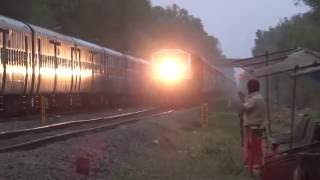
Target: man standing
column 253, row 113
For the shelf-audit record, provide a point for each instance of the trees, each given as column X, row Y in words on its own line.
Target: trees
column 175, row 28
column 16, row 8
column 134, row 27
column 314, row 4
column 299, row 31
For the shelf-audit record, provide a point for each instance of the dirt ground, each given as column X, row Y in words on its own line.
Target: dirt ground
column 163, row 148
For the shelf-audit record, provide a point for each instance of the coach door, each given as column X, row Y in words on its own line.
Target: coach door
column 39, row 64
column 1, row 55
column 78, row 70
column 73, row 67
column 4, row 58
column 56, row 46
column 75, row 58
column 92, row 66
column 105, row 70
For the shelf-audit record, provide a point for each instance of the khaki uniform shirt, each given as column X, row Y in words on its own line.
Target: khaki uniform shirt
column 255, row 110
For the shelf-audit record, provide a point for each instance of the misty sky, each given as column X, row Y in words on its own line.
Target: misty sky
column 235, row 22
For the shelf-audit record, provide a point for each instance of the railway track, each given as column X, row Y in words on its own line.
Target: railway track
column 28, row 139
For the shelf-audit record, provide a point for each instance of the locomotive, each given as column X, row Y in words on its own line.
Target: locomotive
column 73, row 73
column 186, row 78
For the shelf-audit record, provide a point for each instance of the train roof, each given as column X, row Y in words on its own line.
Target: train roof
column 87, row 44
column 143, row 61
column 139, row 60
column 216, row 69
column 52, row 34
column 172, row 50
column 9, row 23
column 112, row 52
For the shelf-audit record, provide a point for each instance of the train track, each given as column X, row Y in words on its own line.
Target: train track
column 27, row 139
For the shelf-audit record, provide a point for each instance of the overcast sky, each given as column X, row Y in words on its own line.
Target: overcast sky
column 235, row 22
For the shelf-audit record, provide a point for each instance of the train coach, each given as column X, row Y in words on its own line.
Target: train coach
column 68, row 71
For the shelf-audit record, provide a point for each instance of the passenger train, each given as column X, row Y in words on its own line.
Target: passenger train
column 71, row 72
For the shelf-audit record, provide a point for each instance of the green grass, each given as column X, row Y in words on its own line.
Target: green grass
column 193, row 153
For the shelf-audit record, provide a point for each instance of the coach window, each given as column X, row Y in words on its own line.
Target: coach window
column 15, row 58
column 50, row 61
column 39, row 46
column 4, row 38
column 43, row 61
column 72, row 58
column 47, row 61
column 26, row 50
column 118, row 63
column 122, row 63
column 130, row 65
column 110, row 61
column 114, row 62
column 1, row 39
column 9, row 39
column 39, row 52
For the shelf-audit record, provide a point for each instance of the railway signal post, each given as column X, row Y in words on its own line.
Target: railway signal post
column 43, row 103
column 205, row 123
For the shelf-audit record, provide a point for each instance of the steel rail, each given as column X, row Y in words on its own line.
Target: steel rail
column 15, row 133
column 32, row 144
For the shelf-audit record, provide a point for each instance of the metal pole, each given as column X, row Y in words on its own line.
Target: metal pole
column 293, row 106
column 267, row 96
column 43, row 105
column 205, row 116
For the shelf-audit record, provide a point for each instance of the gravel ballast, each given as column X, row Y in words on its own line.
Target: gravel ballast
column 31, row 121
column 154, row 148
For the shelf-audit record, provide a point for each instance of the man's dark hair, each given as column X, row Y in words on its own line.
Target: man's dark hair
column 253, row 86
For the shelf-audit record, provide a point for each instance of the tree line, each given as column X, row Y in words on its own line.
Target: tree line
column 302, row 30
column 130, row 26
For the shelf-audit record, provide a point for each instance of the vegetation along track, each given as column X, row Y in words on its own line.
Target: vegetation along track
column 27, row 139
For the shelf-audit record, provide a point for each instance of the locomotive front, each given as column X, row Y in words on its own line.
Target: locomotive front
column 171, row 67
column 172, row 75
